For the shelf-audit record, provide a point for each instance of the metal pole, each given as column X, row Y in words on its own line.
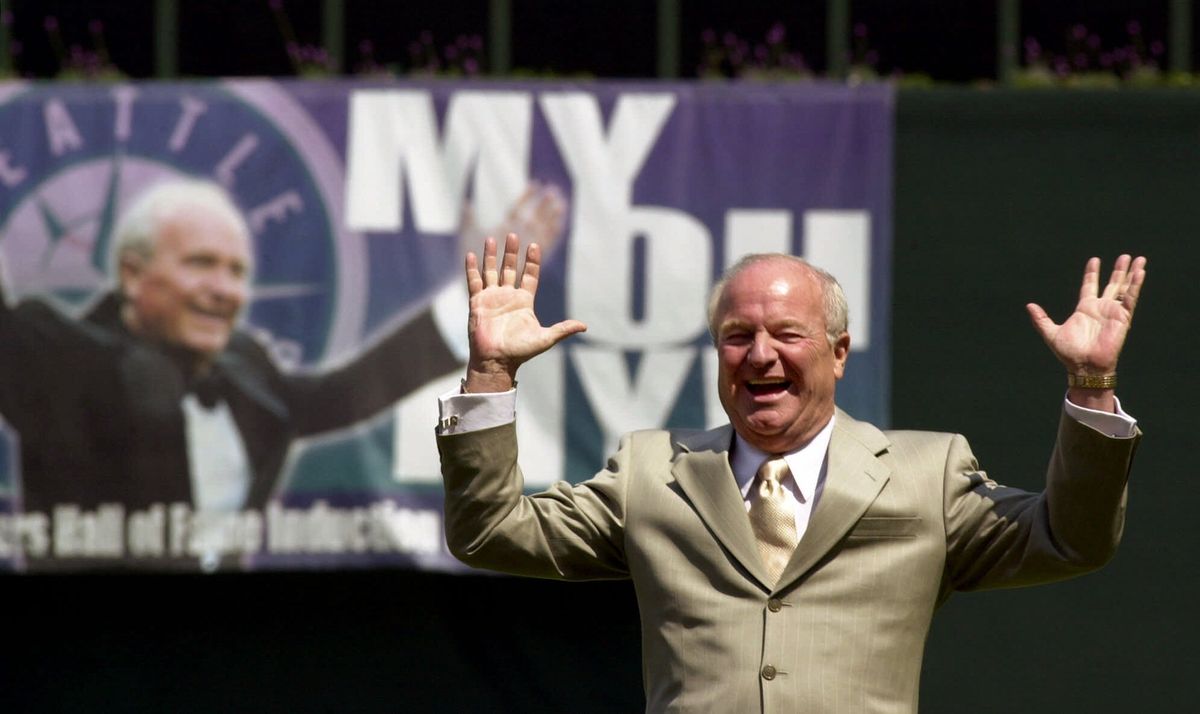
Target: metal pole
column 668, row 39
column 837, row 38
column 166, row 38
column 1180, row 24
column 500, row 36
column 333, row 33
column 6, row 63
column 1008, row 42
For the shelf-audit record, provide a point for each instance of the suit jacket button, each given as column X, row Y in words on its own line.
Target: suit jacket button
column 774, row 604
column 768, row 672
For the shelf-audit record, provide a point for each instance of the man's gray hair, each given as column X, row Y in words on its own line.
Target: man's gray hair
column 836, row 312
column 138, row 228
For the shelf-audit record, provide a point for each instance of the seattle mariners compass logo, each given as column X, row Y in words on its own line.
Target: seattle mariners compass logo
column 72, row 157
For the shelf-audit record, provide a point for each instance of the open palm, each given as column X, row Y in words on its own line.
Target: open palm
column 1089, row 341
column 504, row 330
column 504, row 326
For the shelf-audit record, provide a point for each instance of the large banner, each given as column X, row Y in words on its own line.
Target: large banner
column 315, row 445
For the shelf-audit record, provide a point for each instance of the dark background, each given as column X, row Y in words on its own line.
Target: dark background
column 1000, row 197
column 948, row 41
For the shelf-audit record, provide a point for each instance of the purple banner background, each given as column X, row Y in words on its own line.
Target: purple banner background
column 805, row 168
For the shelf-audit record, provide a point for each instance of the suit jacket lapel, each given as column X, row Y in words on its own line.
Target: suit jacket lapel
column 702, row 471
column 853, row 480
column 239, row 371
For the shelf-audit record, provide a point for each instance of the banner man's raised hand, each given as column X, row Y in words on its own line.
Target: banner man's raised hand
column 538, row 215
column 502, row 328
column 1089, row 342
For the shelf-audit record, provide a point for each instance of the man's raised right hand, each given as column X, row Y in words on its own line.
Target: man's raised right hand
column 502, row 328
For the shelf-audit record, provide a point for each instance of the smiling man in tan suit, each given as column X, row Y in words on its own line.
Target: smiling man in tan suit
column 791, row 560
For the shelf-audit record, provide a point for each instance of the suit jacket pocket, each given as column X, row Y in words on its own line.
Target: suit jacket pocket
column 886, row 527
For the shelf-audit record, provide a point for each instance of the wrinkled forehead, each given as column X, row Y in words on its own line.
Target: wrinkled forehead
column 772, row 281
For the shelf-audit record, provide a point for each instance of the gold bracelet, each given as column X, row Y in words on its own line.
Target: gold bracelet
column 1092, row 381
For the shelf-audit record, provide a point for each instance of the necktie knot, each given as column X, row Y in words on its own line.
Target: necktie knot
column 771, row 473
column 772, row 518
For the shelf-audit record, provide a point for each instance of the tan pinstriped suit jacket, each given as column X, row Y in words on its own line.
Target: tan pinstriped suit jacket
column 904, row 519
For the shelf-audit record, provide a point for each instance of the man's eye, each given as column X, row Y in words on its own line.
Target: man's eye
column 199, row 261
column 735, row 338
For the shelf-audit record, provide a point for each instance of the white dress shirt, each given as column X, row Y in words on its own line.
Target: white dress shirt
column 801, row 487
column 220, row 472
column 217, row 456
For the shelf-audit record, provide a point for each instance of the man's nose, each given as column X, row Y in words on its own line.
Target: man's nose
column 762, row 352
column 229, row 285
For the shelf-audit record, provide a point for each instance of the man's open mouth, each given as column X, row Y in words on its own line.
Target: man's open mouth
column 760, row 387
column 221, row 314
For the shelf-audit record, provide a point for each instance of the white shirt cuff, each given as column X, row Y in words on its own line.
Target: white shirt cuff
column 1115, row 424
column 459, row 413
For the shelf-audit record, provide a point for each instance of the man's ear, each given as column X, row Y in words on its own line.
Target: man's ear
column 130, row 266
column 841, row 352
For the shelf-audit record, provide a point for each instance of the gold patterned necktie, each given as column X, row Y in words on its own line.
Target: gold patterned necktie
column 771, row 518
